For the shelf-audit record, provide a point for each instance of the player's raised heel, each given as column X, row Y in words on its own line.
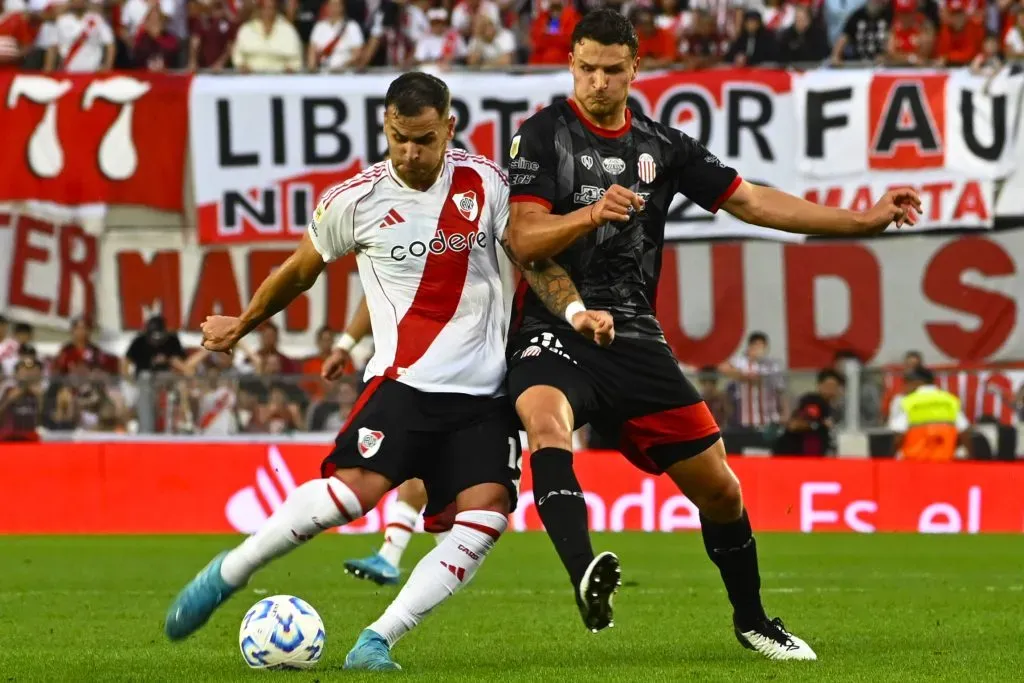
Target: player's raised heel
column 771, row 639
column 597, row 590
column 371, row 653
column 375, row 568
column 197, row 601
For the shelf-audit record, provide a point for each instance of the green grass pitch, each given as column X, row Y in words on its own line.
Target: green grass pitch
column 875, row 608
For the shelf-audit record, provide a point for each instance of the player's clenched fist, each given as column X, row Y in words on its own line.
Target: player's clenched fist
column 617, row 204
column 220, row 332
column 597, row 326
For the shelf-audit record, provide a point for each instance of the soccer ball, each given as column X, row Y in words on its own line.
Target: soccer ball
column 282, row 632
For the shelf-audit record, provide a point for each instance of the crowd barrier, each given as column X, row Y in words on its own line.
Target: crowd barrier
column 209, row 487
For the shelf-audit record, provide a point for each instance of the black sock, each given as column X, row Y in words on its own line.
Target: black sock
column 732, row 548
column 559, row 500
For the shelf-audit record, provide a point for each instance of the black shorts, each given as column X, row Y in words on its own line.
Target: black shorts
column 451, row 441
column 632, row 393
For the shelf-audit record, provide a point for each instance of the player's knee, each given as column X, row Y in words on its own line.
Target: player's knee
column 485, row 497
column 722, row 501
column 368, row 487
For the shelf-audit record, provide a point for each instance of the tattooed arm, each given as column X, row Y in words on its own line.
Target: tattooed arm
column 556, row 290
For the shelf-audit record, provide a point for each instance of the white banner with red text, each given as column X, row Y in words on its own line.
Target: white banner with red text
column 48, row 266
column 264, row 148
column 111, row 488
column 957, row 299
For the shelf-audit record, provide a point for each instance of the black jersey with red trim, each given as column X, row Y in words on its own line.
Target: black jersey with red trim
column 562, row 161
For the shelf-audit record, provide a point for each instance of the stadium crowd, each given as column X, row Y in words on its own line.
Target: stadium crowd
column 276, row 36
column 262, row 390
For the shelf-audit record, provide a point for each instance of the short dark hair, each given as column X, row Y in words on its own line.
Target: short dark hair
column 914, row 354
column 607, row 27
column 828, row 373
column 757, row 337
column 413, row 92
column 22, row 328
column 920, row 374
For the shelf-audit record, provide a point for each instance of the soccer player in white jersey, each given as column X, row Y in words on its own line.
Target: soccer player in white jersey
column 425, row 226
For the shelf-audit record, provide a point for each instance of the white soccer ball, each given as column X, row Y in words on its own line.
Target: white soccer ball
column 282, row 632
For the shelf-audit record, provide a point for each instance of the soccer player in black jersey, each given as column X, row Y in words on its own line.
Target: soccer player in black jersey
column 591, row 186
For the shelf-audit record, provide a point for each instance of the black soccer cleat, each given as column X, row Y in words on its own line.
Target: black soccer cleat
column 770, row 638
column 596, row 591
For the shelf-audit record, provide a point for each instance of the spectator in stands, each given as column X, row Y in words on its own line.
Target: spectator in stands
column 8, row 344
column 80, row 351
column 718, row 401
column 336, row 43
column 19, row 31
column 61, row 414
column 212, row 36
column 804, row 41
column 268, row 350
column 1013, row 43
column 911, row 35
column 755, row 45
column 267, row 43
column 279, row 415
column 155, row 349
column 305, row 14
column 657, row 46
column 22, row 336
column 778, row 15
column 442, row 45
column 990, row 59
column 834, row 15
column 668, row 17
column 311, row 367
column 331, row 414
column 551, row 33
column 492, row 45
column 80, row 40
column 703, row 44
column 865, row 35
column 21, row 404
column 928, row 423
column 758, row 384
column 725, row 14
column 156, row 48
column 465, row 13
column 394, row 31
column 133, row 16
column 809, row 428
column 960, row 36
column 215, row 408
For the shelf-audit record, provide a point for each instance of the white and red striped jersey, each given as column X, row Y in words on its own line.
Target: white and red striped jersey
column 436, row 280
column 758, row 400
column 81, row 41
column 217, row 412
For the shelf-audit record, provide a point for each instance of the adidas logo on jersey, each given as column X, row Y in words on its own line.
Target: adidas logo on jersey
column 393, row 218
column 439, row 244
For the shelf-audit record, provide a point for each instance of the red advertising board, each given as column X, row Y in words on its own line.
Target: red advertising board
column 208, row 488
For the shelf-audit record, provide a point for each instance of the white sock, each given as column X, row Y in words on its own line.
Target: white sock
column 311, row 508
column 400, row 528
column 440, row 536
column 441, row 572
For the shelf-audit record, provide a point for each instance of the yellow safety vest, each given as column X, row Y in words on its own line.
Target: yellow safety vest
column 931, row 418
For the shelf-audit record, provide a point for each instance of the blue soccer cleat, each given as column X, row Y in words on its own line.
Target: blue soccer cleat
column 375, row 568
column 197, row 601
column 371, row 653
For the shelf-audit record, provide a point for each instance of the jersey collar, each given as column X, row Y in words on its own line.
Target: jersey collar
column 597, row 130
column 401, row 183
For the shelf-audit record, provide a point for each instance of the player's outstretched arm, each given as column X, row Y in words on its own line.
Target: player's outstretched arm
column 556, row 290
column 771, row 208
column 535, row 233
column 295, row 276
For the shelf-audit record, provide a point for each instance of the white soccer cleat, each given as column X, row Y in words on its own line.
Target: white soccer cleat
column 772, row 640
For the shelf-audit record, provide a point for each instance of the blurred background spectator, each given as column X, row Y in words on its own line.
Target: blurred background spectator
column 657, row 45
column 865, row 34
column 441, row 45
column 156, row 48
column 336, row 42
column 155, row 349
column 551, row 32
column 755, row 45
column 267, row 43
column 805, row 40
column 809, row 429
column 492, row 45
column 212, row 32
column 21, row 403
column 79, row 40
column 758, row 386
